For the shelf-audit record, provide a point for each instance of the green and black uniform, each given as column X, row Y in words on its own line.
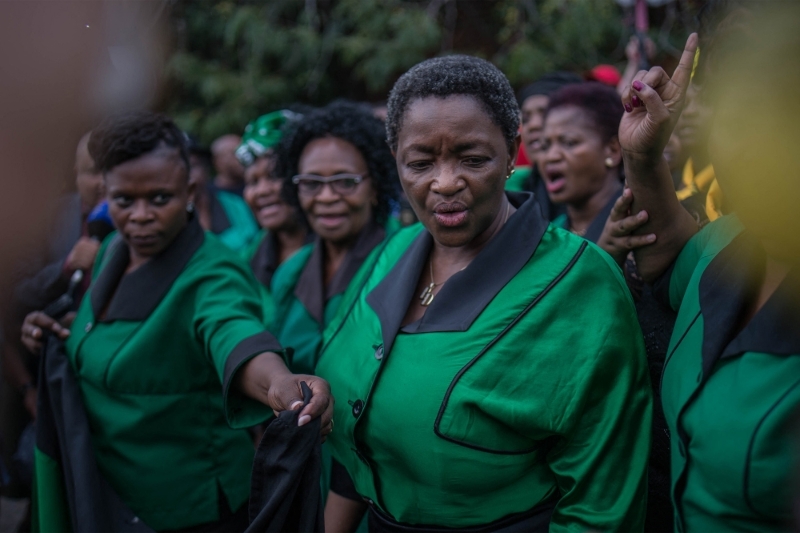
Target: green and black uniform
column 731, row 394
column 521, row 394
column 304, row 305
column 231, row 219
column 154, row 352
column 264, row 260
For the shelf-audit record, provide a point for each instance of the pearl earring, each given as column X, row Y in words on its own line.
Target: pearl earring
column 609, row 162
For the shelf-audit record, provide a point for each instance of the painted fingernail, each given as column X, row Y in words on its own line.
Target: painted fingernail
column 638, row 85
column 303, row 420
column 636, row 102
column 628, row 108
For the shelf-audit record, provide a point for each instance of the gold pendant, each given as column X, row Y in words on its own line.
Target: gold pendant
column 427, row 295
column 428, row 300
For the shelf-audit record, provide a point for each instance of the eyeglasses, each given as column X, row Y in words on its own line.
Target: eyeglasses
column 312, row 185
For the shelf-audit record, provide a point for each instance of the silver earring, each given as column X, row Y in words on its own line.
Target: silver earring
column 609, row 162
column 190, row 207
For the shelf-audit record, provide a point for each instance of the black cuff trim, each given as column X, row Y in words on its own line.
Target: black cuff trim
column 246, row 350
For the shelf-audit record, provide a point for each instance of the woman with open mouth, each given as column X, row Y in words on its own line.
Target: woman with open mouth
column 580, row 159
column 489, row 369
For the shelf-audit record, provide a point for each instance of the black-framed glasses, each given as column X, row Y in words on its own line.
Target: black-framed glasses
column 311, row 184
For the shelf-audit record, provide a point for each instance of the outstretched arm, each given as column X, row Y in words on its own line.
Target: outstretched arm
column 653, row 102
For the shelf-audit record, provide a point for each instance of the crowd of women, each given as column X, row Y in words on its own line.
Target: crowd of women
column 603, row 340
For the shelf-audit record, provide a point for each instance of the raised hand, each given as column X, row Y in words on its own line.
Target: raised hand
column 653, row 102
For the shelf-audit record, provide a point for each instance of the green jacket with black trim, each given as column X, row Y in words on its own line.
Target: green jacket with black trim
column 154, row 353
column 525, row 380
column 731, row 394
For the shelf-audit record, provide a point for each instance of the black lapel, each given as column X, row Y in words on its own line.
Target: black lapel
column 219, row 218
column 137, row 294
column 370, row 237
column 595, row 229
column 727, row 285
column 467, row 293
column 774, row 329
column 310, row 288
column 265, row 260
column 391, row 297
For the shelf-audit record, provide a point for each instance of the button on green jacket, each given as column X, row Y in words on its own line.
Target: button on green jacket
column 155, row 373
column 525, row 380
column 731, row 397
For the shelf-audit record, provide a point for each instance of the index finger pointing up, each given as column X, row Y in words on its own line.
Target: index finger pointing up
column 683, row 72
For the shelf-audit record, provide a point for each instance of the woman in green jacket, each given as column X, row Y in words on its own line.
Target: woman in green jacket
column 283, row 229
column 168, row 346
column 731, row 383
column 343, row 179
column 489, row 368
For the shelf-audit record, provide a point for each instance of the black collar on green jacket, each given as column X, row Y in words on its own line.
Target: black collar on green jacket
column 728, row 286
column 134, row 296
column 467, row 293
column 266, row 260
column 219, row 218
column 310, row 289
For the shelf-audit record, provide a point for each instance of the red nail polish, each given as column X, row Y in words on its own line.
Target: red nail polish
column 638, row 85
column 628, row 108
column 636, row 102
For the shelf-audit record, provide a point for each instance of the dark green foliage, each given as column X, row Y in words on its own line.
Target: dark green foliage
column 235, row 60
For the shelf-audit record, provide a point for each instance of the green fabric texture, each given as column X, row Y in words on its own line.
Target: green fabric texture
column 736, row 472
column 153, row 395
column 560, row 402
column 243, row 227
column 267, row 301
column 49, row 507
column 519, row 179
column 294, row 327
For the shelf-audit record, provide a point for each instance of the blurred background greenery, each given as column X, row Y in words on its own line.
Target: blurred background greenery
column 232, row 60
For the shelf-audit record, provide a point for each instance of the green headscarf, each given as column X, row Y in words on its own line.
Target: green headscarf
column 263, row 134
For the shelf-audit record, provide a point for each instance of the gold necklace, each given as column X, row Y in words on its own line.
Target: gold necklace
column 427, row 296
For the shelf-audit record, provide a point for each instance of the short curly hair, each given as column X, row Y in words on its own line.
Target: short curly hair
column 127, row 136
column 355, row 124
column 455, row 75
column 601, row 104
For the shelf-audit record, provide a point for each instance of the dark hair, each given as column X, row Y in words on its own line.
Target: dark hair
column 355, row 124
column 455, row 75
column 547, row 85
column 600, row 102
column 131, row 135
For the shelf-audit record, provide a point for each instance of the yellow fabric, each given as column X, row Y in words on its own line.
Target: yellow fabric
column 705, row 182
column 714, row 201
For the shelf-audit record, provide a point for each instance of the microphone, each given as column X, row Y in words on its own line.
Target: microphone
column 99, row 222
column 100, row 225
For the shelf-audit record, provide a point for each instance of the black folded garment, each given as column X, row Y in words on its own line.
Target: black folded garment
column 285, row 492
column 79, row 498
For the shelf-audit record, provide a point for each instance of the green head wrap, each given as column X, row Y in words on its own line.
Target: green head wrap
column 263, row 134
